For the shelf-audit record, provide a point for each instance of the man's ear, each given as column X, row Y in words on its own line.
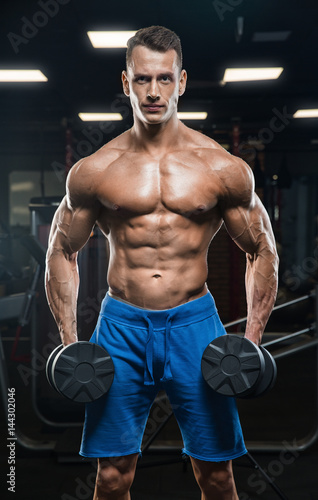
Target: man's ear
column 124, row 79
column 182, row 82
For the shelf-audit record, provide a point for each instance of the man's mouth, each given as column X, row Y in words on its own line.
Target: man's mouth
column 153, row 107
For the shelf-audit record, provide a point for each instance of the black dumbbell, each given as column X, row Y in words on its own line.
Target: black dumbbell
column 82, row 371
column 234, row 366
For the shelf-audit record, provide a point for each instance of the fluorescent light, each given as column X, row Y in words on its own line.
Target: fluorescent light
column 20, row 210
column 109, row 39
column 22, row 75
column 17, row 187
column 251, row 74
column 100, row 117
column 196, row 115
column 306, row 113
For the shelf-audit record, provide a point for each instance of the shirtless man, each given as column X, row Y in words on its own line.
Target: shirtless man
column 160, row 192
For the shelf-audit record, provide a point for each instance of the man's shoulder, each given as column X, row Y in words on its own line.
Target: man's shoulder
column 217, row 157
column 197, row 140
column 86, row 175
column 237, row 179
column 99, row 161
column 111, row 151
column 235, row 176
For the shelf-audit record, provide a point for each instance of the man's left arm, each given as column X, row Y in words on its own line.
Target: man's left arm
column 248, row 224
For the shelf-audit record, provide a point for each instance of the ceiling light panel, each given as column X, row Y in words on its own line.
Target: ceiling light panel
column 100, row 117
column 109, row 39
column 306, row 113
column 251, row 74
column 22, row 75
column 194, row 115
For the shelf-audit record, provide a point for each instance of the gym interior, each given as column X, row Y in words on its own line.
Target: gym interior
column 270, row 123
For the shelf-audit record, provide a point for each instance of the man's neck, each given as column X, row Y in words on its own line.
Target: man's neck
column 158, row 138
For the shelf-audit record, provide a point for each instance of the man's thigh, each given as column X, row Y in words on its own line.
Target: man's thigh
column 208, row 421
column 115, row 423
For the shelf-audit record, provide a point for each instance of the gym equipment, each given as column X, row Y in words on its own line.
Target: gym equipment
column 82, row 371
column 268, row 379
column 233, row 365
column 49, row 365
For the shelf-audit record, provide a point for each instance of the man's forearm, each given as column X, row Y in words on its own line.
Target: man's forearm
column 261, row 291
column 61, row 283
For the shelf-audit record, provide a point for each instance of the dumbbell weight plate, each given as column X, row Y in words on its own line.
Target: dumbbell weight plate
column 232, row 365
column 49, row 364
column 269, row 376
column 82, row 371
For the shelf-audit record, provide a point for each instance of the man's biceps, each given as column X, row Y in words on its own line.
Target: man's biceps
column 244, row 232
column 79, row 232
column 65, row 236
column 236, row 222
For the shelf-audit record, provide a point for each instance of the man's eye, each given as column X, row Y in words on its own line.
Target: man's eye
column 166, row 78
column 141, row 79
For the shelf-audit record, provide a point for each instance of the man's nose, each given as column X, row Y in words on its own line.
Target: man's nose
column 153, row 91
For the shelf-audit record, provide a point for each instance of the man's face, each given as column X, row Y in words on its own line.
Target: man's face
column 154, row 83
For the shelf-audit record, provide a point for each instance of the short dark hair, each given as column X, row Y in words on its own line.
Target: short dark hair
column 156, row 38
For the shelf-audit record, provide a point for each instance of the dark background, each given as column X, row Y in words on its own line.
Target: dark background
column 38, row 121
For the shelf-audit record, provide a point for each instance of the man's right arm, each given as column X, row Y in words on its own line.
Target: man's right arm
column 71, row 227
column 248, row 224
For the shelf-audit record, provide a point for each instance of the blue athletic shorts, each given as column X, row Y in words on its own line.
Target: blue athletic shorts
column 152, row 351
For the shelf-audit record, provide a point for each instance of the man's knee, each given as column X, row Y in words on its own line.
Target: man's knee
column 215, row 478
column 221, row 481
column 115, row 476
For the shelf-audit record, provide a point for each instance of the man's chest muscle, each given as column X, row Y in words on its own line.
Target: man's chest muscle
column 145, row 187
